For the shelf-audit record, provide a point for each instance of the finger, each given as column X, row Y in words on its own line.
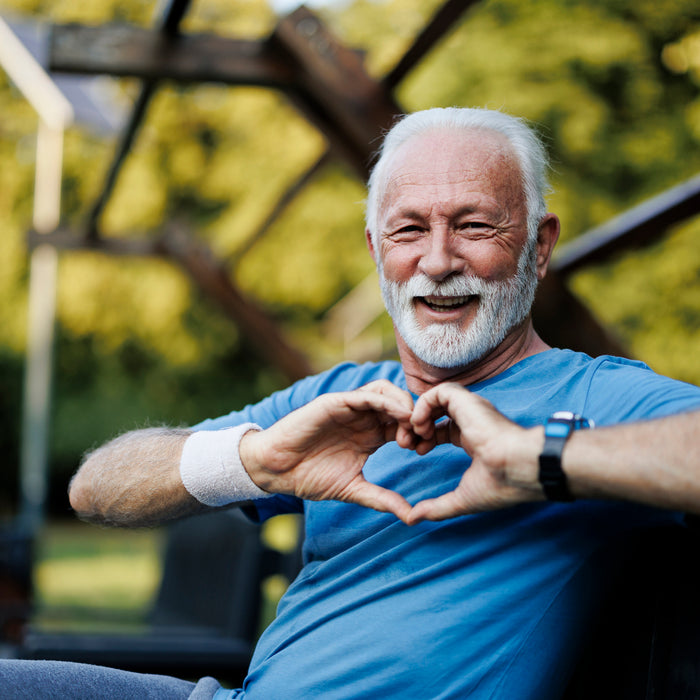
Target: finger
column 392, row 393
column 386, row 388
column 449, row 505
column 423, row 446
column 383, row 404
column 406, row 438
column 433, row 433
column 430, row 406
column 384, row 500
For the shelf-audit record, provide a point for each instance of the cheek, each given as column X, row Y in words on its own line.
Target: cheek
column 492, row 265
column 486, row 259
column 399, row 262
column 489, row 260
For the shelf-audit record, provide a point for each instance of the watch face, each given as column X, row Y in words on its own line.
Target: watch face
column 558, row 427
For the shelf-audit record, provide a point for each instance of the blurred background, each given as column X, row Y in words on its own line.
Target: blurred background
column 612, row 85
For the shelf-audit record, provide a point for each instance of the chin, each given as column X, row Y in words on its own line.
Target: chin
column 448, row 347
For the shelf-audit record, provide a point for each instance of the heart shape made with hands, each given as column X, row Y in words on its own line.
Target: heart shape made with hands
column 318, row 451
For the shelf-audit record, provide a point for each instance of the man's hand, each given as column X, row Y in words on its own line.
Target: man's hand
column 318, row 451
column 504, row 456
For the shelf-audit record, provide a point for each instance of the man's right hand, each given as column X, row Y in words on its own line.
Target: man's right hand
column 318, row 451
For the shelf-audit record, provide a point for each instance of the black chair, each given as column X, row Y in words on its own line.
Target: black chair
column 207, row 614
column 16, row 556
column 647, row 642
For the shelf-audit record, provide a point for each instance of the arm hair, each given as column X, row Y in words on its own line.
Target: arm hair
column 134, row 480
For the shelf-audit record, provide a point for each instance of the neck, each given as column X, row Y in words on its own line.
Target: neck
column 520, row 343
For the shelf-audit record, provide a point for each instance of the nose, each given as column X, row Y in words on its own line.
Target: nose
column 440, row 258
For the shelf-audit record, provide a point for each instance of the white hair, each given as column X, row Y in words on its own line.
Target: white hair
column 526, row 145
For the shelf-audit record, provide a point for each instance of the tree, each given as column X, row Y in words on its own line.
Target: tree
column 613, row 86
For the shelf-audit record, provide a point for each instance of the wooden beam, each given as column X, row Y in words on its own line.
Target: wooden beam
column 209, row 274
column 65, row 238
column 31, row 79
column 214, row 280
column 326, row 80
column 564, row 322
column 561, row 318
column 333, row 89
column 134, row 52
column 634, row 228
column 173, row 16
column 169, row 26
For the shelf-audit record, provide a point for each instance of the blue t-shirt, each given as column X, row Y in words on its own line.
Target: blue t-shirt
column 492, row 605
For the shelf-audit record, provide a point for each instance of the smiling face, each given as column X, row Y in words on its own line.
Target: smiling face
column 457, row 273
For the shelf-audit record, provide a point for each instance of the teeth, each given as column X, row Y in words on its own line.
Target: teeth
column 446, row 302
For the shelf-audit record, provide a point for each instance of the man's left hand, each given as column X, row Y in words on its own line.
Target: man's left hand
column 504, row 456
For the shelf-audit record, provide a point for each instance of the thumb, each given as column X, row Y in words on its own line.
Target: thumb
column 378, row 498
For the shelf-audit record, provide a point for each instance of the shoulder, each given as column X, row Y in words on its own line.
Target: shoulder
column 607, row 389
column 634, row 390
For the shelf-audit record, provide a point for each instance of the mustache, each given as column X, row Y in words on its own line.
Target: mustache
column 422, row 286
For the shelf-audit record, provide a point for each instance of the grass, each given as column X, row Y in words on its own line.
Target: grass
column 88, row 578
column 85, row 576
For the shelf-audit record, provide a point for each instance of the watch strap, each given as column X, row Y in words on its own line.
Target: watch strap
column 558, row 428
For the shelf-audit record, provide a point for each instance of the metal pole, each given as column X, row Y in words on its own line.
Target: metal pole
column 42, row 305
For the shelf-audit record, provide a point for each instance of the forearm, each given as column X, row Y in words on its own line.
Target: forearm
column 655, row 462
column 134, row 480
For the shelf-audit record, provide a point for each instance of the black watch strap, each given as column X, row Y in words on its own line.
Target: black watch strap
column 557, row 430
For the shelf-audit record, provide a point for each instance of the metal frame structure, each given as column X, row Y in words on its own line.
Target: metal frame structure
column 327, row 82
column 55, row 114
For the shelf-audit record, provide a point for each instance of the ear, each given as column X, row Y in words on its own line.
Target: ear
column 370, row 245
column 547, row 236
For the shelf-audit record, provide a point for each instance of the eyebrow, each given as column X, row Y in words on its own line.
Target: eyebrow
column 414, row 214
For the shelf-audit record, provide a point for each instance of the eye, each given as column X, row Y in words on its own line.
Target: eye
column 409, row 232
column 475, row 228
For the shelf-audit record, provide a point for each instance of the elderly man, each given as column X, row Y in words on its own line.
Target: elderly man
column 448, row 559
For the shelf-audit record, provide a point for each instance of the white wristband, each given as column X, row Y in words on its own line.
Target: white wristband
column 211, row 468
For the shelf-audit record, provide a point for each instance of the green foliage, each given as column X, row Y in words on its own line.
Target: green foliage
column 652, row 300
column 590, row 76
column 383, row 28
column 613, row 85
column 88, row 578
column 322, row 232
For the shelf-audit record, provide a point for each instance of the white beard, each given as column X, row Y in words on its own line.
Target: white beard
column 501, row 307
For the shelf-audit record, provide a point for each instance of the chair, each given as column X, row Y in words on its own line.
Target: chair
column 16, row 550
column 207, row 613
column 647, row 642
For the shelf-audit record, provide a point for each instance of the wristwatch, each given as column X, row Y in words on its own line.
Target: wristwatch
column 557, row 430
